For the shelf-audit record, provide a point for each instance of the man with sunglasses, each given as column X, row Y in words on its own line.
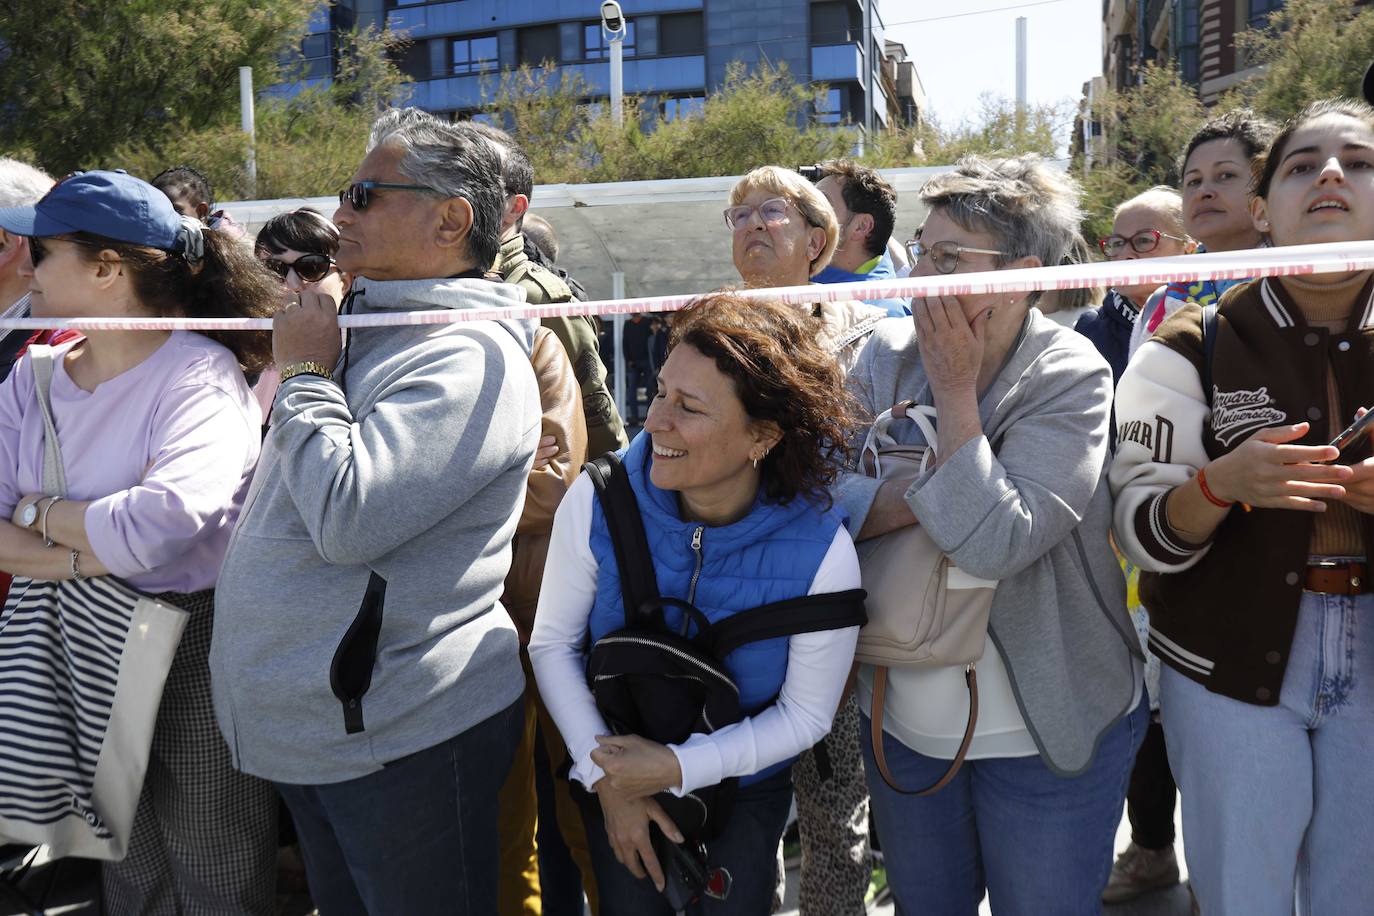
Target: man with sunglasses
column 362, row 659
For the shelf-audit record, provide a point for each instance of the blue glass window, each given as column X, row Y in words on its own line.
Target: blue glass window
column 683, row 107
column 1260, row 10
column 831, row 109
column 475, row 55
column 595, row 46
column 1188, row 38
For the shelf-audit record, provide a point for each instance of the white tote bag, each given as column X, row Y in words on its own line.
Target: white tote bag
column 82, row 666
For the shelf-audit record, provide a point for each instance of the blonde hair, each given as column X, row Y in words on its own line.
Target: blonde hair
column 811, row 202
column 1160, row 199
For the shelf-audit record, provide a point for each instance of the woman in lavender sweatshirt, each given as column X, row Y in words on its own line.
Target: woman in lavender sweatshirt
column 159, row 435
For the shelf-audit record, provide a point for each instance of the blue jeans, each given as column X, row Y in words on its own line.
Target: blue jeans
column 1038, row 843
column 418, row 837
column 747, row 848
column 1277, row 800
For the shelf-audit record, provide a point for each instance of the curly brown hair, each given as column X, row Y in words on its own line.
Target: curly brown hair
column 228, row 283
column 783, row 374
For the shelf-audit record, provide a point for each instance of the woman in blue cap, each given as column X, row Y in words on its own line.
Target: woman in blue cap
column 159, row 435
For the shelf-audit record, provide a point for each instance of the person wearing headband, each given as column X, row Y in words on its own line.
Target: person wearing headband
column 159, row 436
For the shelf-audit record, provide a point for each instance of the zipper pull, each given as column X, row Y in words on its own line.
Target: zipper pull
column 696, row 538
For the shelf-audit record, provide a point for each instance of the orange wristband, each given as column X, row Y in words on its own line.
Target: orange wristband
column 1207, row 492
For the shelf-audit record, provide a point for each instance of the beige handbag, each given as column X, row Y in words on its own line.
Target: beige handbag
column 922, row 609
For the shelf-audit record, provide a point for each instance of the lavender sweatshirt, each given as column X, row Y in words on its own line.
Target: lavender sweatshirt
column 164, row 450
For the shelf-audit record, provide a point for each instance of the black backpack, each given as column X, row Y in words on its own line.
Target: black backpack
column 665, row 685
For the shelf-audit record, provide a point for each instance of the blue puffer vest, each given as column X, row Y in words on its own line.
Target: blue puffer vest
column 771, row 554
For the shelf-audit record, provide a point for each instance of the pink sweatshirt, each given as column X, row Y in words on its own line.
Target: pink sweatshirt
column 165, row 451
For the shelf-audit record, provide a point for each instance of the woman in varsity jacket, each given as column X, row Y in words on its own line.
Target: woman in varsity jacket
column 729, row 475
column 1255, row 536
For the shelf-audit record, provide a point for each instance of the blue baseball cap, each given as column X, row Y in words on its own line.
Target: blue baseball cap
column 114, row 205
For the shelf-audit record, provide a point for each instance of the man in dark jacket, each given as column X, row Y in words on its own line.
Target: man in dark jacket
column 520, row 263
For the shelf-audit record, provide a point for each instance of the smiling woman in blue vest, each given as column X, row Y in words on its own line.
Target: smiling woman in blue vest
column 741, row 441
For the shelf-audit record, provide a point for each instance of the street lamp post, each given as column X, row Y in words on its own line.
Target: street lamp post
column 613, row 29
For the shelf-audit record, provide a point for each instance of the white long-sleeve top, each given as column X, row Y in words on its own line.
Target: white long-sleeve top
column 817, row 664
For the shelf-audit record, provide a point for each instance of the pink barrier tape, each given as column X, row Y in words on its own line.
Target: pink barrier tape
column 1334, row 257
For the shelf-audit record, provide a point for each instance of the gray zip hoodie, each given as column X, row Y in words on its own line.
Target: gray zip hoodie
column 412, row 466
column 1034, row 515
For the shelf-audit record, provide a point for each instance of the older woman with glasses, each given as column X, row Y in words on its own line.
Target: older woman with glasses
column 783, row 233
column 1017, row 495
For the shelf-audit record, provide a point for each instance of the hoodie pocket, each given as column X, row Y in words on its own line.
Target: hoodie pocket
column 350, row 673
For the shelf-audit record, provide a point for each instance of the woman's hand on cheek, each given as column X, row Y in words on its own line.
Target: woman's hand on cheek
column 951, row 346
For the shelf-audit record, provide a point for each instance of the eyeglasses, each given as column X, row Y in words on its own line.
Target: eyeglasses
column 309, row 267
column 1146, row 240
column 771, row 211
column 359, row 194
column 38, row 248
column 944, row 256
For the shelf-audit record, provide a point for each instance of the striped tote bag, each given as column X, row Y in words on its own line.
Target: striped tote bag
column 82, row 665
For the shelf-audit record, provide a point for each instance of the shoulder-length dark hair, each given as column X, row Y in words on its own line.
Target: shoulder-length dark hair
column 229, row 282
column 783, row 374
column 305, row 229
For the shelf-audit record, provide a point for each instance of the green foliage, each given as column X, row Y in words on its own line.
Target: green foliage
column 81, row 77
column 998, row 130
column 754, row 118
column 307, row 146
column 1311, row 49
column 1150, row 124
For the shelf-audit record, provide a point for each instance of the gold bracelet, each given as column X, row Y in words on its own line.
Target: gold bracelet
column 308, row 367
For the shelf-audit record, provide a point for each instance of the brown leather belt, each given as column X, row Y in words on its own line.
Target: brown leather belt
column 1338, row 579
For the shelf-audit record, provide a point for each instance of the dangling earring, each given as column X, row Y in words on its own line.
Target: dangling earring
column 756, row 464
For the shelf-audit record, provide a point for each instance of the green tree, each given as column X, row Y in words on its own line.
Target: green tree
column 307, row 145
column 1310, row 49
column 81, row 77
column 754, row 118
column 1149, row 124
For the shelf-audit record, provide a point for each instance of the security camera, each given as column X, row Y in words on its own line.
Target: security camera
column 611, row 18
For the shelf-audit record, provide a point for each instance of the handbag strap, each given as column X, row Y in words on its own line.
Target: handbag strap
column 793, row 616
column 921, row 414
column 876, row 732
column 54, row 475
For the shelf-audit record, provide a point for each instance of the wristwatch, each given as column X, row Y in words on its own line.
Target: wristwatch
column 307, row 367
column 29, row 516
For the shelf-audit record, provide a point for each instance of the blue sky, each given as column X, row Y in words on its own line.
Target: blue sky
column 971, row 52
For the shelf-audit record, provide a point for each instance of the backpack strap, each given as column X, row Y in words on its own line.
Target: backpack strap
column 638, row 584
column 1209, row 348
column 808, row 614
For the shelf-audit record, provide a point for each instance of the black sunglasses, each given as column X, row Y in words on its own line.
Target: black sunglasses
column 359, row 194
column 38, row 250
column 309, row 267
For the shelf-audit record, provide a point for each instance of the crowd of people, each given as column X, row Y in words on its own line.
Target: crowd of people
column 421, row 564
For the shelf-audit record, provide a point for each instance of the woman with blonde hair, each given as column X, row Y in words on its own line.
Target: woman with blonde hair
column 784, row 232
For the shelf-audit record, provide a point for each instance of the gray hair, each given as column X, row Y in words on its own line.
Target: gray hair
column 538, row 231
column 22, row 185
column 453, row 162
column 1029, row 208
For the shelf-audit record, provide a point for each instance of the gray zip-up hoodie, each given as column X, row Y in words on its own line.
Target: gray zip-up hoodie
column 413, row 466
column 1035, row 516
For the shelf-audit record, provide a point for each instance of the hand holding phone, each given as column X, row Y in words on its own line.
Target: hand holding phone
column 1355, row 431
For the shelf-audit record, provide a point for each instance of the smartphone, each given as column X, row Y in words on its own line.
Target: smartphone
column 1352, row 433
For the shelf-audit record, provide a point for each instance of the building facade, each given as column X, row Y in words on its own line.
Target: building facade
column 1199, row 35
column 674, row 50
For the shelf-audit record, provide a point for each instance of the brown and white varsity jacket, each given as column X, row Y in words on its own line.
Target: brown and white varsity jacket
column 1224, row 613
